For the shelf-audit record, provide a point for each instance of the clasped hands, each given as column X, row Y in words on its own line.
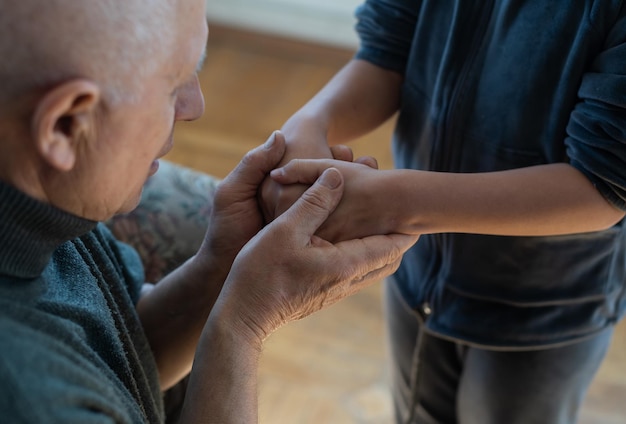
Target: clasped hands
column 360, row 213
column 312, row 254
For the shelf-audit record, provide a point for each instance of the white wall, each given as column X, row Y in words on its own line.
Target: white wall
column 324, row 21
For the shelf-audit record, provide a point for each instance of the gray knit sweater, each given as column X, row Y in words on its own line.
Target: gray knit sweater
column 72, row 349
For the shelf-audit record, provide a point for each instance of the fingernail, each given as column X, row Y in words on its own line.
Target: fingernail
column 270, row 141
column 280, row 172
column 331, row 178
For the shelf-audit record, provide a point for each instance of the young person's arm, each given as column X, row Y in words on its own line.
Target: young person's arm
column 541, row 200
column 357, row 100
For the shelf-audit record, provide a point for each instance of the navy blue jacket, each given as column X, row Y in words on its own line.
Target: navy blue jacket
column 500, row 84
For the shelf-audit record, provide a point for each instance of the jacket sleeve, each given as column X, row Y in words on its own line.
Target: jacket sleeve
column 596, row 133
column 386, row 28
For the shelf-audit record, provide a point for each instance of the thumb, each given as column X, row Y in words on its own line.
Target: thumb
column 310, row 211
column 257, row 163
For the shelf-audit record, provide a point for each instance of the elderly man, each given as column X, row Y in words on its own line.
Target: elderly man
column 90, row 93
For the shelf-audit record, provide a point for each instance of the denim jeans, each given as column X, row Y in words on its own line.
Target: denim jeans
column 438, row 381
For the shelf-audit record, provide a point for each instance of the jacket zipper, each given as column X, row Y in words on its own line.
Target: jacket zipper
column 449, row 142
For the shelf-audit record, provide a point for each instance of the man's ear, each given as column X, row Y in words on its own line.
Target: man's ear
column 63, row 117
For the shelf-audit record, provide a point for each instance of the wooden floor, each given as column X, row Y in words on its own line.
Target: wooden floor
column 328, row 368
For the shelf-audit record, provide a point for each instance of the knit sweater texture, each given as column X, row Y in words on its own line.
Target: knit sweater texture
column 73, row 349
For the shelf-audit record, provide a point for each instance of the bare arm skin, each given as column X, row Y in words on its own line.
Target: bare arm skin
column 340, row 112
column 174, row 312
column 344, row 109
column 541, row 200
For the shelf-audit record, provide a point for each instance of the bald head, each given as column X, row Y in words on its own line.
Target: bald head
column 90, row 93
column 112, row 42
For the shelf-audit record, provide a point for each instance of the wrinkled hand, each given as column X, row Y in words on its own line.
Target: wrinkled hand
column 364, row 210
column 236, row 217
column 286, row 272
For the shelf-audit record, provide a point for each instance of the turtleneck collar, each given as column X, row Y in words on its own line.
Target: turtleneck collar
column 31, row 230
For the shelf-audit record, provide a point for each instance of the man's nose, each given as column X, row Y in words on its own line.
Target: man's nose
column 190, row 102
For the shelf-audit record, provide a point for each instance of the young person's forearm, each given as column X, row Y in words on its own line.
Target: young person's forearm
column 355, row 101
column 541, row 200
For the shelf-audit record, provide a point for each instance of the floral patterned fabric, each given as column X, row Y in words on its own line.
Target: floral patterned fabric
column 169, row 224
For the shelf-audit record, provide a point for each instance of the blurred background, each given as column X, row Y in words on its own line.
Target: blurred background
column 265, row 59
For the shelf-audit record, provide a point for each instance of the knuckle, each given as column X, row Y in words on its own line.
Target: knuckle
column 316, row 199
column 248, row 158
column 221, row 191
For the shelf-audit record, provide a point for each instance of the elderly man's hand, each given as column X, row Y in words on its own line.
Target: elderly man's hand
column 236, row 215
column 286, row 272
